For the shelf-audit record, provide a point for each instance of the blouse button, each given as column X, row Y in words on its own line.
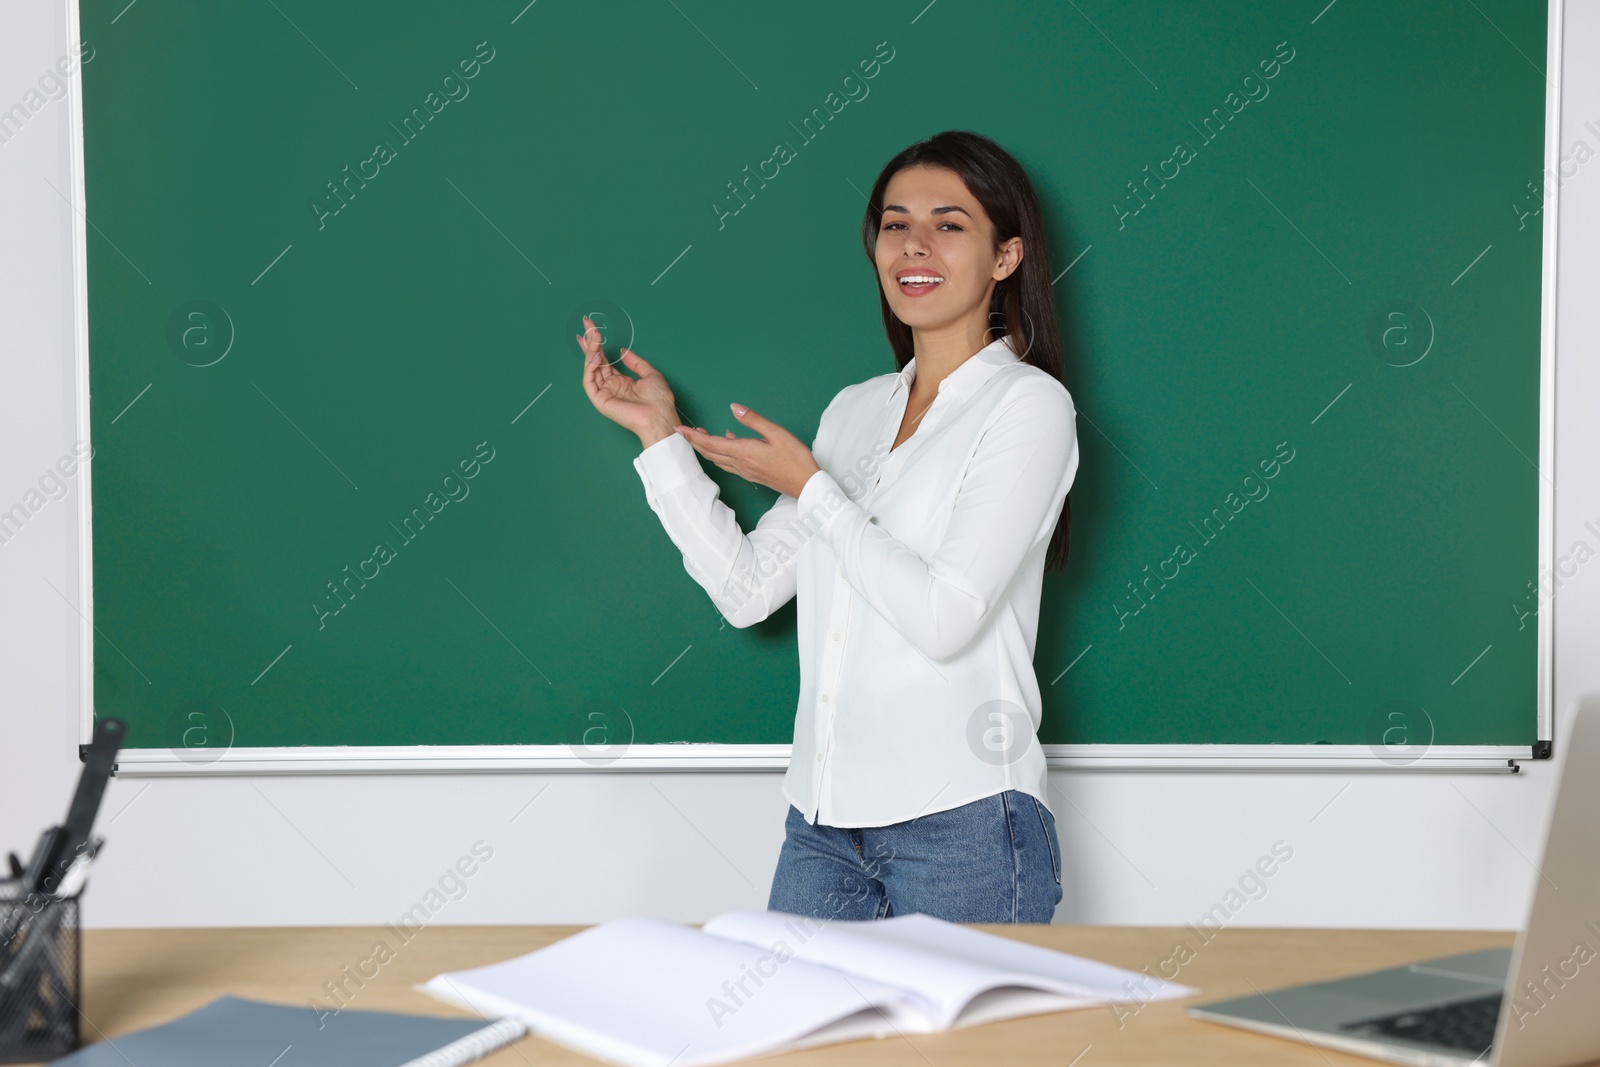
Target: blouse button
column 819, row 757
column 826, row 697
column 836, row 636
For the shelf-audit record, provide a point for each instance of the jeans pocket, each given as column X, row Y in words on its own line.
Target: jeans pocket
column 1047, row 827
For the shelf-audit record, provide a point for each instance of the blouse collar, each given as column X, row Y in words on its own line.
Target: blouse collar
column 967, row 378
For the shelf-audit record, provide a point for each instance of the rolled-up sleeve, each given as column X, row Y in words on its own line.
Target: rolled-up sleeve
column 1009, row 499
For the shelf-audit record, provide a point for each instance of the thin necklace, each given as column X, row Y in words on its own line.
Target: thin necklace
column 923, row 412
column 916, row 420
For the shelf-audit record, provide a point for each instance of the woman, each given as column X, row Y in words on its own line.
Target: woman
column 914, row 532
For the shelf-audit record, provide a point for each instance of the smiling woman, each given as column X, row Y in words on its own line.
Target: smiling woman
column 914, row 532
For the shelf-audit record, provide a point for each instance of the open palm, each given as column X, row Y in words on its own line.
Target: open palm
column 645, row 405
column 636, row 404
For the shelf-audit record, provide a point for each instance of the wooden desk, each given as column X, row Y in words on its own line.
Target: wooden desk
column 137, row 978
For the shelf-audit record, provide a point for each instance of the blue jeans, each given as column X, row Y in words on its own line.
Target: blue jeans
column 995, row 860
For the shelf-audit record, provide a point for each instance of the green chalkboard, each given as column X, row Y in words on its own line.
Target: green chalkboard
column 336, row 254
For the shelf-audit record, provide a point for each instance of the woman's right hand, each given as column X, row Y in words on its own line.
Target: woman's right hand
column 644, row 405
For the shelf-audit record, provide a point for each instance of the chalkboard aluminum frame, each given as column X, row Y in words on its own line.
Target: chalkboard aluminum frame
column 712, row 757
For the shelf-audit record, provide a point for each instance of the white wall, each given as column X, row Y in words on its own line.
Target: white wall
column 1401, row 850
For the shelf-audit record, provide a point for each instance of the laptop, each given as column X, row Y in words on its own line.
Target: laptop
column 1460, row 1009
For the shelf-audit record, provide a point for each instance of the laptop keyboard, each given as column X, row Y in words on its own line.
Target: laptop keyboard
column 1467, row 1024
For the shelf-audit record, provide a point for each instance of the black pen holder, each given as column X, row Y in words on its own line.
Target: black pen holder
column 40, row 983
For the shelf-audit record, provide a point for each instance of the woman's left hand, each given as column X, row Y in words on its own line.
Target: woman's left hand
column 777, row 459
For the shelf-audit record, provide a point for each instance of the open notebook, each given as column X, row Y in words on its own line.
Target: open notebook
column 644, row 992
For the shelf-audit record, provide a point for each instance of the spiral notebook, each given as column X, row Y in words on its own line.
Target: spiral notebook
column 232, row 1030
column 644, row 992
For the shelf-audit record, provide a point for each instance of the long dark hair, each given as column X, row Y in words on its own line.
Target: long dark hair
column 1023, row 307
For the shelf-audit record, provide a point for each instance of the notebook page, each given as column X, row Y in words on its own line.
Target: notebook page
column 1076, row 973
column 947, row 963
column 644, row 992
column 945, row 984
column 1009, row 1002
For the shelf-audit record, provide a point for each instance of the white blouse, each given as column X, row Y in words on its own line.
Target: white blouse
column 918, row 572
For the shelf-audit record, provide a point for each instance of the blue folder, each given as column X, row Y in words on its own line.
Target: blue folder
column 231, row 1031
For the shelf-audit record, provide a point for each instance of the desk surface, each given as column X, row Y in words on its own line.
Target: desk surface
column 137, row 978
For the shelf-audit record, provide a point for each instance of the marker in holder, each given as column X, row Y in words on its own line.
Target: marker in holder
column 41, row 951
column 40, row 973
